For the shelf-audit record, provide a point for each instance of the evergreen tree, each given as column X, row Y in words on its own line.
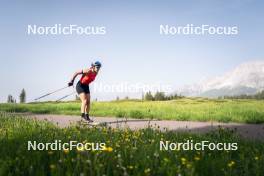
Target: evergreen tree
column 159, row 96
column 22, row 96
column 148, row 96
column 10, row 99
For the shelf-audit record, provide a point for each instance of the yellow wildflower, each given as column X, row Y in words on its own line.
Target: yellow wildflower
column 188, row 166
column 66, row 151
column 183, row 160
column 52, row 166
column 147, row 170
column 108, row 149
column 80, row 149
column 196, row 158
column 231, row 164
column 166, row 160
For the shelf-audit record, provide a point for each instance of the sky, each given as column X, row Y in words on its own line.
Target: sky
column 132, row 51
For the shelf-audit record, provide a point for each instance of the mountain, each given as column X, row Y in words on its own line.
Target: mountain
column 247, row 78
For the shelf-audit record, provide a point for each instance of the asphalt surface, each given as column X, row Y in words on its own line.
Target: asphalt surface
column 250, row 131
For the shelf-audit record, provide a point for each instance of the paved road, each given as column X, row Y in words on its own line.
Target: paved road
column 252, row 131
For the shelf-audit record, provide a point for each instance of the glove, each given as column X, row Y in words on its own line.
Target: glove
column 70, row 83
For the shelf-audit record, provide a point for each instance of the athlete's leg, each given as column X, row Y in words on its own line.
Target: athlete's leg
column 84, row 102
column 87, row 108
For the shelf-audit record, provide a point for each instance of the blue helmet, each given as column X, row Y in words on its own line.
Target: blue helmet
column 97, row 64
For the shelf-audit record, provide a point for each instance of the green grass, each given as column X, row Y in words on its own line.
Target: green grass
column 196, row 109
column 133, row 152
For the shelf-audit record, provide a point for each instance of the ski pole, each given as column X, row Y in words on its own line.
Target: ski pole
column 50, row 93
column 65, row 96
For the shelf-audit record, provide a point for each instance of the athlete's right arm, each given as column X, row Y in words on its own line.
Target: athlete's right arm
column 74, row 76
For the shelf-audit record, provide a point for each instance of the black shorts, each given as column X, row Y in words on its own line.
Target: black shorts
column 82, row 88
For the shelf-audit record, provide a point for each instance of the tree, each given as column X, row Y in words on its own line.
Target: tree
column 117, row 98
column 22, row 96
column 10, row 99
column 173, row 96
column 260, row 95
column 159, row 96
column 148, row 96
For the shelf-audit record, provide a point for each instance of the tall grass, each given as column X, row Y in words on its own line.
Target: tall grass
column 198, row 109
column 128, row 152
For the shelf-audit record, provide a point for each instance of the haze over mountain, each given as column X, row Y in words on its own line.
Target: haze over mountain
column 247, row 78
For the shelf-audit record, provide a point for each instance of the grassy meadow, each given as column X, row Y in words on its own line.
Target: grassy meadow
column 127, row 152
column 195, row 109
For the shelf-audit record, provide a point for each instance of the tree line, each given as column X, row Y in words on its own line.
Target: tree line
column 22, row 97
column 160, row 96
column 258, row 96
column 157, row 96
